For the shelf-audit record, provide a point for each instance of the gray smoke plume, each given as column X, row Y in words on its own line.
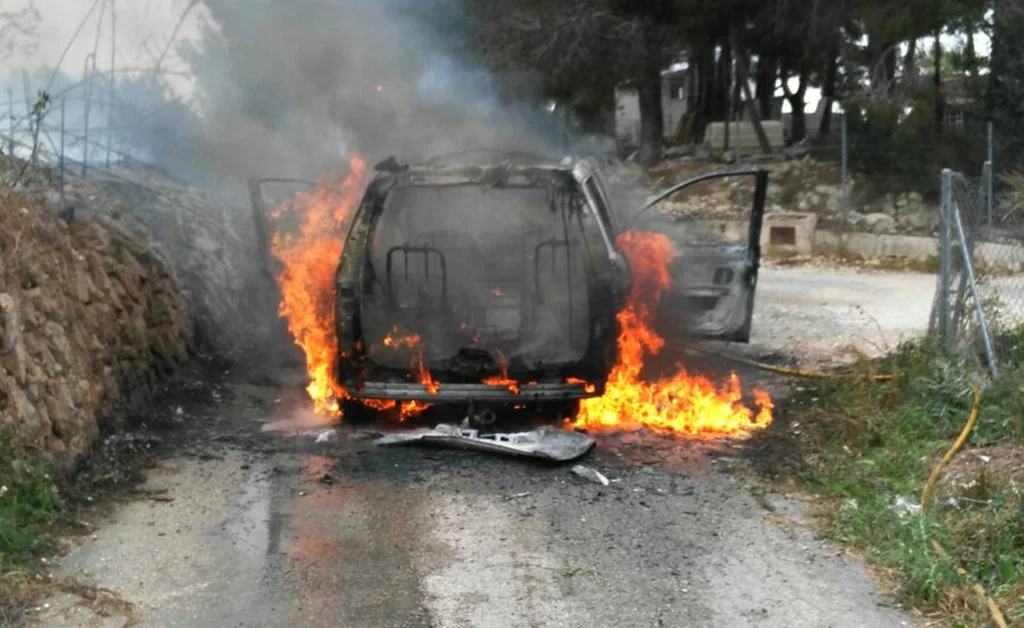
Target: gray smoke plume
column 295, row 88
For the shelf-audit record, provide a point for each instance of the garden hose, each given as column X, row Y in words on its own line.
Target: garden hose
column 782, row 370
column 933, row 479
column 993, row 609
column 929, row 491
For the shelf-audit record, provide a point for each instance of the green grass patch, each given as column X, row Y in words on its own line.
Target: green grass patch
column 869, row 448
column 30, row 508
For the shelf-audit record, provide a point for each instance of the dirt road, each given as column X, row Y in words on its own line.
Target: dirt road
column 248, row 521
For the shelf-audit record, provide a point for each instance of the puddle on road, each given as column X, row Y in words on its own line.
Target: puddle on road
column 248, row 524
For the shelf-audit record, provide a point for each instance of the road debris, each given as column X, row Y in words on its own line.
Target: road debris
column 326, row 436
column 546, row 442
column 589, row 473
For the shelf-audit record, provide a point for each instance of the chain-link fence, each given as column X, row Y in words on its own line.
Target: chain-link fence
column 978, row 309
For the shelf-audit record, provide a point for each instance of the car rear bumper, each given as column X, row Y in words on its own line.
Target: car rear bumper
column 485, row 393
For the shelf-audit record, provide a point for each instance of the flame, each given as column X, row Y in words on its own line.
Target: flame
column 419, row 362
column 395, row 339
column 310, row 258
column 686, row 404
column 412, row 409
column 502, row 379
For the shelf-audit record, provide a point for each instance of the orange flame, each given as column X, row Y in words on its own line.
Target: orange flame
column 502, row 379
column 684, row 403
column 395, row 339
column 310, row 258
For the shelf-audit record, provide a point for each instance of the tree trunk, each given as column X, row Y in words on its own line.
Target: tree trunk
column 910, row 65
column 765, row 85
column 705, row 87
column 829, row 92
column 720, row 95
column 940, row 105
column 971, row 54
column 798, row 126
column 741, row 78
column 652, row 117
column 882, row 63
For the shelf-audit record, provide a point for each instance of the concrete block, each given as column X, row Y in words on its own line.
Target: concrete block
column 788, row 233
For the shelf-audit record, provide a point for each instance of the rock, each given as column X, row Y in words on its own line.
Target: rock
column 889, row 206
column 879, row 223
column 920, row 219
column 13, row 345
column 589, row 473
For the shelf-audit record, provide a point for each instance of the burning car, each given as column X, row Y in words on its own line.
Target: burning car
column 489, row 283
column 488, row 280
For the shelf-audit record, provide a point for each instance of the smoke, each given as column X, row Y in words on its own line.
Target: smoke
column 295, row 88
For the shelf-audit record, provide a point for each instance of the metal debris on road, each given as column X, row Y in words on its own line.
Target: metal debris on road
column 548, row 443
column 326, row 436
column 589, row 473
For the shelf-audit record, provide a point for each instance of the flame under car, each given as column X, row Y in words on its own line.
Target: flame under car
column 481, row 284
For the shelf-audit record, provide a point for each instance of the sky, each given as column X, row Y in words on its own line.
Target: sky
column 143, row 28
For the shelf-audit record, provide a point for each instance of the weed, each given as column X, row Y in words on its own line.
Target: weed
column 873, row 446
column 30, row 506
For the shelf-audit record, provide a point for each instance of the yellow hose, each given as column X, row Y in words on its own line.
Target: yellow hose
column 933, row 479
column 993, row 608
column 782, row 370
column 929, row 491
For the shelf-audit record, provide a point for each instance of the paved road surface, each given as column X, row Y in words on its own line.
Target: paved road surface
column 817, row 315
column 269, row 528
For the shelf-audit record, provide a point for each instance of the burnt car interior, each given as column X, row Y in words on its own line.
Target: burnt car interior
column 481, row 274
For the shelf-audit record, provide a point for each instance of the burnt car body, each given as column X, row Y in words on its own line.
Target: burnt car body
column 493, row 279
column 504, row 273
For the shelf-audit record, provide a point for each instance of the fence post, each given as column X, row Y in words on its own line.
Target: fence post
column 991, row 171
column 945, row 207
column 113, row 64
column 10, row 121
column 63, row 106
column 968, row 270
column 843, row 204
column 88, row 78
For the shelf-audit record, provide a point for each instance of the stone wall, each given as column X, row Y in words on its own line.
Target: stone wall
column 208, row 236
column 798, row 185
column 91, row 321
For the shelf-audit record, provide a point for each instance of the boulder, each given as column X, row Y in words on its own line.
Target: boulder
column 879, row 223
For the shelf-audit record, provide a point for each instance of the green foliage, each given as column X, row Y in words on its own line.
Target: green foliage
column 29, row 506
column 901, row 148
column 874, row 446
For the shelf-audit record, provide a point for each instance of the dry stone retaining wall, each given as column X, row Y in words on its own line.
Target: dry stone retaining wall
column 91, row 321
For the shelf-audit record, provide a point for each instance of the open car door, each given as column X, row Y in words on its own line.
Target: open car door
column 714, row 278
